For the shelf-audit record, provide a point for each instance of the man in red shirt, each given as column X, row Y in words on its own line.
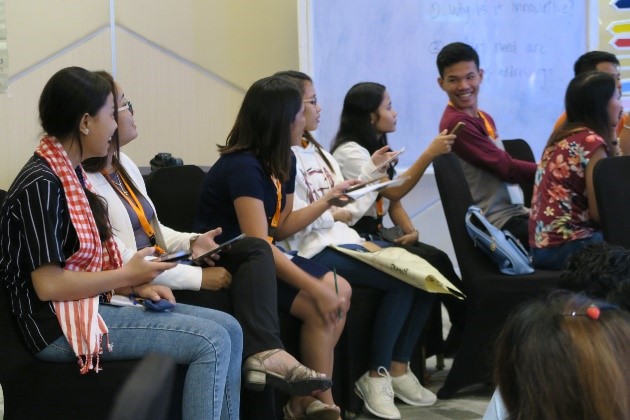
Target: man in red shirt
column 492, row 174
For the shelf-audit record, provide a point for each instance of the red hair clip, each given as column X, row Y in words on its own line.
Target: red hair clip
column 593, row 312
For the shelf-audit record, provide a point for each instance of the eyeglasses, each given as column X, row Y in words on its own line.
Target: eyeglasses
column 312, row 101
column 127, row 106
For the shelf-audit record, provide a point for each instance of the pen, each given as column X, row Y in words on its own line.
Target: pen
column 337, row 291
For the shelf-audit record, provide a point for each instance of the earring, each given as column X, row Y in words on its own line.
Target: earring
column 86, row 131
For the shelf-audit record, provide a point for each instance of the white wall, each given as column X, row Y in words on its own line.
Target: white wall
column 185, row 65
column 185, row 68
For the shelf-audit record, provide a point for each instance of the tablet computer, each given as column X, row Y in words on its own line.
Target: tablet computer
column 200, row 259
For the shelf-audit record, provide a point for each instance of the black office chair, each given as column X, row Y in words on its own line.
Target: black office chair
column 519, row 149
column 175, row 192
column 612, row 194
column 491, row 295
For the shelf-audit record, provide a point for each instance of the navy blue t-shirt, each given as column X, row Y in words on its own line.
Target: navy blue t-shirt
column 235, row 175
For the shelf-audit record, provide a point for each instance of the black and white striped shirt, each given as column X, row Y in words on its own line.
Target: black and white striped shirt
column 35, row 229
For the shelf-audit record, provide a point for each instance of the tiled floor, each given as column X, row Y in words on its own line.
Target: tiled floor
column 470, row 404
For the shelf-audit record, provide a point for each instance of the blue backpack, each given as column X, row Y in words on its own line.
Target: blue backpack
column 500, row 245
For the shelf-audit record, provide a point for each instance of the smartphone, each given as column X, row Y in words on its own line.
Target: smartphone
column 388, row 161
column 458, row 127
column 361, row 185
column 173, row 256
column 200, row 259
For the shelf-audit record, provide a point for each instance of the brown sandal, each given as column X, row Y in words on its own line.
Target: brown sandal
column 299, row 381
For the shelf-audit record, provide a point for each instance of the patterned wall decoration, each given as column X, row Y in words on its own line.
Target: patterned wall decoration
column 614, row 36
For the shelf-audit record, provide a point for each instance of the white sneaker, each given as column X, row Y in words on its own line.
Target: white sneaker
column 408, row 389
column 377, row 394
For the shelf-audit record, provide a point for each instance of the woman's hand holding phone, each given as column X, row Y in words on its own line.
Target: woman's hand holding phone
column 385, row 164
column 336, row 196
column 141, row 271
column 204, row 243
column 381, row 155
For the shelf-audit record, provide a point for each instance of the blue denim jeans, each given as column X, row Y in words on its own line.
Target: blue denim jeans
column 554, row 258
column 208, row 341
column 401, row 315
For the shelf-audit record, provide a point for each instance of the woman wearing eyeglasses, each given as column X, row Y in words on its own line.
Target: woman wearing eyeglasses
column 247, row 269
column 404, row 310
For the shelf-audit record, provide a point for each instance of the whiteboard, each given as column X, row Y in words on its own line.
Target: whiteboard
column 526, row 48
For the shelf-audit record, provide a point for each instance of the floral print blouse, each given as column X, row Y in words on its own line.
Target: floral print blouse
column 559, row 210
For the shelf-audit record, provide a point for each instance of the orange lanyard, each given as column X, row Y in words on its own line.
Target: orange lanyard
column 137, row 207
column 380, row 208
column 489, row 128
column 486, row 122
column 276, row 217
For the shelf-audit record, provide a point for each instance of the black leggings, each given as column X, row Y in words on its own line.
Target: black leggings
column 519, row 227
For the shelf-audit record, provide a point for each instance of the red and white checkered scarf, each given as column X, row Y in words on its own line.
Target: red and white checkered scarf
column 79, row 319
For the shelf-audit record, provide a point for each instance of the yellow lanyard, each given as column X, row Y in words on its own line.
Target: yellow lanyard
column 276, row 217
column 137, row 207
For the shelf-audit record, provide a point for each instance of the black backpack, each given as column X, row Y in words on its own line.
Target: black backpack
column 163, row 160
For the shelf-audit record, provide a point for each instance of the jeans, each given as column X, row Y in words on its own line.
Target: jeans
column 437, row 258
column 554, row 258
column 208, row 341
column 401, row 315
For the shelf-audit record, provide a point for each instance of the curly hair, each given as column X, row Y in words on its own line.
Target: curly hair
column 601, row 271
